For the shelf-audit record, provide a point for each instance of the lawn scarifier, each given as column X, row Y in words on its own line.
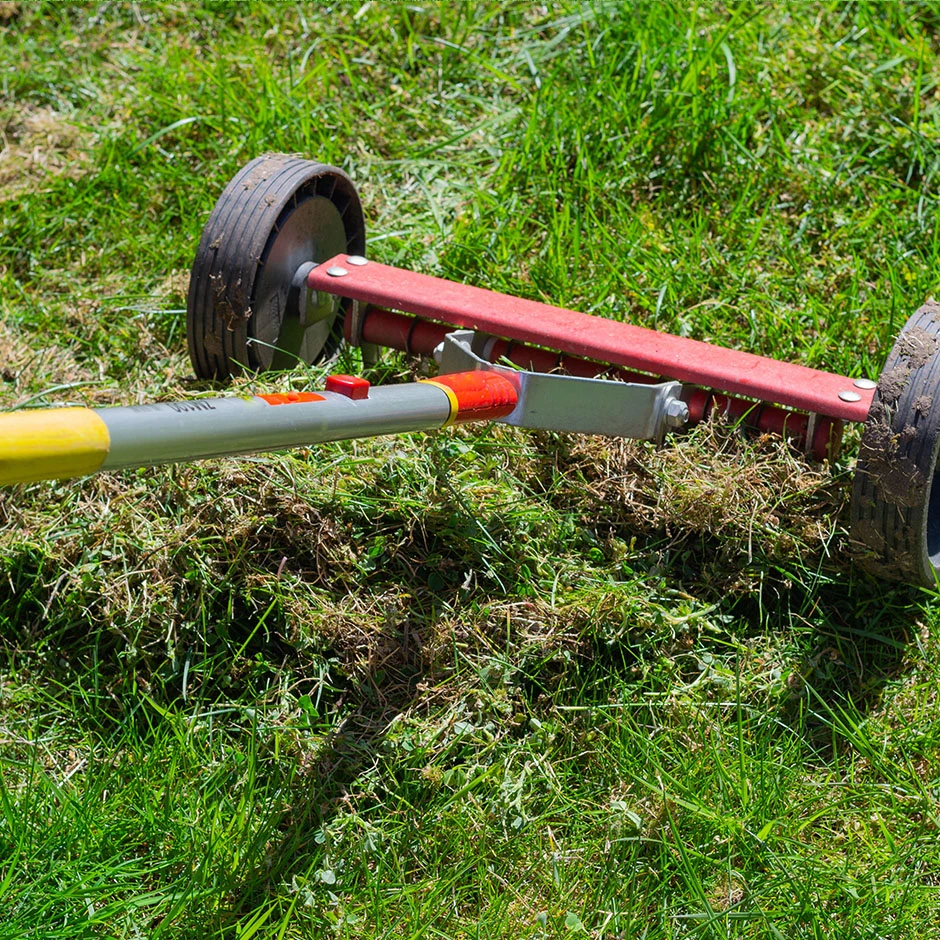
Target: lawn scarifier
column 281, row 277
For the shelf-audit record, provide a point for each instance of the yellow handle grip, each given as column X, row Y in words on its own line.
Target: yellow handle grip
column 51, row 444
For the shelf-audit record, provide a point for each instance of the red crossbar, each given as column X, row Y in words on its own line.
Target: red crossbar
column 592, row 337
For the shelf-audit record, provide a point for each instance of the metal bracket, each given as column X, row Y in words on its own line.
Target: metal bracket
column 569, row 403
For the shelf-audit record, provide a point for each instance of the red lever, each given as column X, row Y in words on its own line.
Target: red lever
column 352, row 386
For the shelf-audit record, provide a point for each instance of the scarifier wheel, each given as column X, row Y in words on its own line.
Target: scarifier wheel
column 896, row 495
column 278, row 214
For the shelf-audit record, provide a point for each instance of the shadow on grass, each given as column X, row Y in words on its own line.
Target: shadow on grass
column 858, row 634
column 839, row 638
column 851, row 632
column 847, row 637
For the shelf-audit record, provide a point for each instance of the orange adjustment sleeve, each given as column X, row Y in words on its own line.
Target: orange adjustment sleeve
column 477, row 396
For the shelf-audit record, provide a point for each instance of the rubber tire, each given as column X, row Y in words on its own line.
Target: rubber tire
column 240, row 233
column 895, row 509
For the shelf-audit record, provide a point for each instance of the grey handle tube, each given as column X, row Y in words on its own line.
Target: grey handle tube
column 147, row 435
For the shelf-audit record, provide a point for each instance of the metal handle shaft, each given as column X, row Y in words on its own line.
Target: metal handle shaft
column 69, row 442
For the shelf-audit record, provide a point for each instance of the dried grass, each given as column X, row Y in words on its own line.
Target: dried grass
column 39, row 142
column 714, row 481
column 25, row 370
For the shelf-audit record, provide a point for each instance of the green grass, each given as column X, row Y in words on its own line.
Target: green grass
column 482, row 683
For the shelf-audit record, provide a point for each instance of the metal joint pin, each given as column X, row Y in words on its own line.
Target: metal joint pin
column 850, row 396
column 865, row 383
column 357, row 260
column 337, row 271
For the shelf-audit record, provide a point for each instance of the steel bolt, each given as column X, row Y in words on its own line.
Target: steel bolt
column 865, row 383
column 850, row 396
column 677, row 413
column 337, row 271
column 357, row 260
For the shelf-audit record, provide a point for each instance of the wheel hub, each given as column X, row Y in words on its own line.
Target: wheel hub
column 289, row 322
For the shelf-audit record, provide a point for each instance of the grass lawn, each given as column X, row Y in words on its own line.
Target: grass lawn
column 480, row 683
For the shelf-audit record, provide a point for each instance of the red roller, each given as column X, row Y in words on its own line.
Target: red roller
column 421, row 337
